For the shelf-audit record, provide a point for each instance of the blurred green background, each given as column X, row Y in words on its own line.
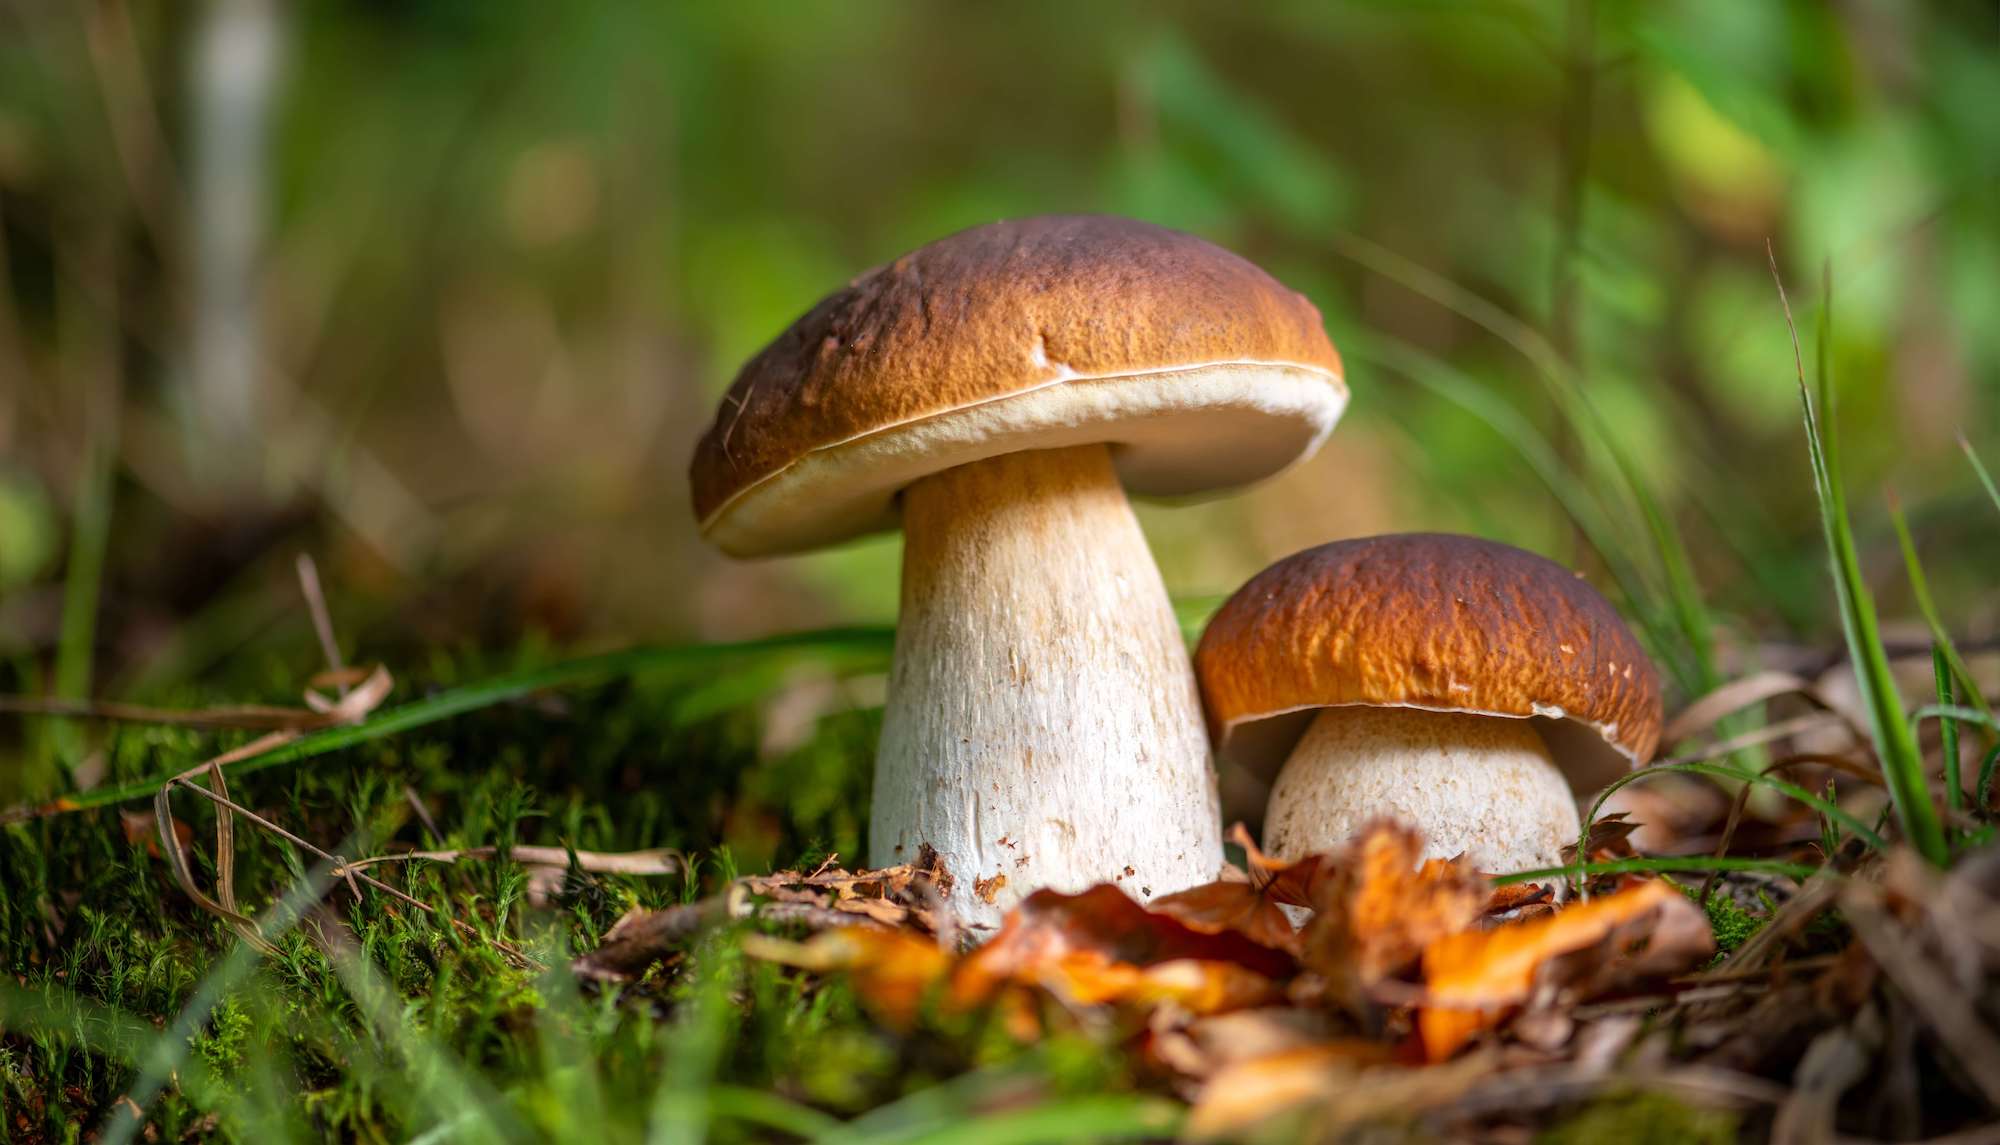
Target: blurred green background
column 444, row 292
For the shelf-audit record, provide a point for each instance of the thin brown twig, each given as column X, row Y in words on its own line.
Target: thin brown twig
column 663, row 861
column 357, row 700
column 1763, row 735
column 322, row 620
column 240, row 717
column 342, row 869
column 423, row 813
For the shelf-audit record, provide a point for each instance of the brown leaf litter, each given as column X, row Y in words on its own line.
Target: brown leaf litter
column 905, row 898
column 1417, row 993
column 1402, row 964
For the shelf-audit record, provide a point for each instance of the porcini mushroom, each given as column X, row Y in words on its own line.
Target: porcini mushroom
column 998, row 391
column 1458, row 684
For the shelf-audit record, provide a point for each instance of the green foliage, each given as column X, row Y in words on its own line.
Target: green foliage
column 1644, row 1119
column 1732, row 923
column 515, row 250
column 383, row 1022
column 1895, row 745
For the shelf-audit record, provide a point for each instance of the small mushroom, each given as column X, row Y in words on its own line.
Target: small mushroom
column 996, row 393
column 1458, row 684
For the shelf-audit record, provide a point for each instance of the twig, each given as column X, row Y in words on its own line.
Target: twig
column 322, row 620
column 663, row 861
column 1708, row 710
column 341, row 868
column 643, row 937
column 361, row 692
column 238, row 717
column 423, row 813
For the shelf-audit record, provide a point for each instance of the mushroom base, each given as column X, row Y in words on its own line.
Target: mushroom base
column 1482, row 786
column 1043, row 726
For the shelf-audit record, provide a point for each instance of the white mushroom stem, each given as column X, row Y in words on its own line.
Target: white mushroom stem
column 1482, row 786
column 1043, row 726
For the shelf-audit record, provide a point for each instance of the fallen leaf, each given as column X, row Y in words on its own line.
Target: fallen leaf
column 1248, row 1093
column 1475, row 979
column 1203, row 987
column 1513, row 898
column 1200, row 1047
column 1193, row 986
column 892, row 970
column 142, row 827
column 1610, row 837
column 1382, row 905
column 1072, row 941
column 1252, row 906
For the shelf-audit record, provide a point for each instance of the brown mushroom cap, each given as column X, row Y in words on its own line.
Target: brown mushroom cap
column 1425, row 620
column 1200, row 370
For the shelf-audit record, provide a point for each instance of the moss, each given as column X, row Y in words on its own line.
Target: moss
column 90, row 915
column 1643, row 1119
column 224, row 1043
column 1731, row 922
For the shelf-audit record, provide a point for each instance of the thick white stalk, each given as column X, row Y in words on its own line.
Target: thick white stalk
column 1043, row 726
column 1481, row 786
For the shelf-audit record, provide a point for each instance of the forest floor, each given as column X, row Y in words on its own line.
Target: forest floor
column 472, row 985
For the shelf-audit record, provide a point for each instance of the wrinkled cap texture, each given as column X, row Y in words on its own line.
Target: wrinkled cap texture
column 1197, row 368
column 1435, row 621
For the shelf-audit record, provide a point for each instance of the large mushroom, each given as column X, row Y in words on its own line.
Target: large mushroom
column 1461, row 685
column 997, row 392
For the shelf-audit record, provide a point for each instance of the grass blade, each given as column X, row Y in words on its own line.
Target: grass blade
column 770, row 1111
column 1684, row 594
column 1947, row 728
column 1957, row 712
column 1825, row 807
column 1920, row 589
column 1103, row 1117
column 1983, row 792
column 1687, row 864
column 1895, row 745
column 83, row 577
column 1979, row 467
column 867, row 645
column 439, row 1084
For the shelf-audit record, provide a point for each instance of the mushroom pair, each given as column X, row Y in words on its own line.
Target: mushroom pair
column 1458, row 684
column 997, row 392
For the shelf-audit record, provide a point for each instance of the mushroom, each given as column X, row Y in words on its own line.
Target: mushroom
column 997, row 392
column 1461, row 685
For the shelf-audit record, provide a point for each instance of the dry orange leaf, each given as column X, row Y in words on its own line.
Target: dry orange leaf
column 1249, row 907
column 1094, row 948
column 1205, row 987
column 1248, row 1093
column 892, row 970
column 1475, row 979
column 1382, row 906
column 141, row 827
column 1198, row 987
column 1049, row 934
